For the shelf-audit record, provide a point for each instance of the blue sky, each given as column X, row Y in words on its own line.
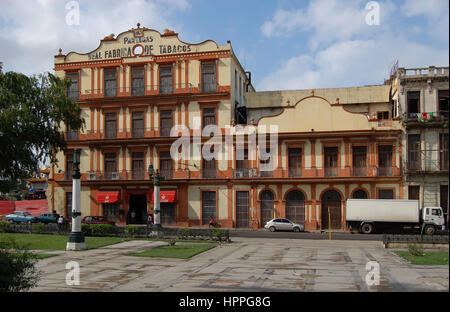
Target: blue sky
column 285, row 44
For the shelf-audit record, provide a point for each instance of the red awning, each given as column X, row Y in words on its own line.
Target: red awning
column 109, row 197
column 166, row 196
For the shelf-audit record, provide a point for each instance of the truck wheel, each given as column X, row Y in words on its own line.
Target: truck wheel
column 429, row 229
column 367, row 228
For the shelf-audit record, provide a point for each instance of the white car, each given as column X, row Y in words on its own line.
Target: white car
column 282, row 224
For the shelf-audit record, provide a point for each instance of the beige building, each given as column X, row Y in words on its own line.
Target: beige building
column 333, row 144
column 421, row 101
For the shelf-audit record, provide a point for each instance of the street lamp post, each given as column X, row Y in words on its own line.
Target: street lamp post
column 76, row 237
column 154, row 175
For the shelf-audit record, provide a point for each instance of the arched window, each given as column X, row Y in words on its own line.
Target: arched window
column 360, row 194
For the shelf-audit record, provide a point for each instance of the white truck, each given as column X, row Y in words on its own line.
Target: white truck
column 368, row 215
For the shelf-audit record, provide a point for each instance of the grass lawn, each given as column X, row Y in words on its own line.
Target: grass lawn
column 430, row 257
column 57, row 242
column 184, row 251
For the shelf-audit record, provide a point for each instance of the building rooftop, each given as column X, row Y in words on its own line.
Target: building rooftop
column 352, row 95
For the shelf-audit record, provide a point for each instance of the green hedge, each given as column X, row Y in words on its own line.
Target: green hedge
column 37, row 227
column 132, row 230
column 98, row 229
column 4, row 227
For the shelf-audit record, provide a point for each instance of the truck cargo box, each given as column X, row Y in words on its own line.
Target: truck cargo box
column 383, row 210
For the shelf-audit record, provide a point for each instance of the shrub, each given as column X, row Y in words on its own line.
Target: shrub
column 4, row 227
column 132, row 230
column 185, row 233
column 86, row 229
column 172, row 242
column 221, row 235
column 17, row 267
column 37, row 227
column 415, row 250
column 102, row 229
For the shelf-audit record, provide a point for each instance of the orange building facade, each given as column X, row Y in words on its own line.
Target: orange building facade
column 332, row 144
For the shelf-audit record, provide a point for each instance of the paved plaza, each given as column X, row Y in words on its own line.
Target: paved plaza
column 246, row 264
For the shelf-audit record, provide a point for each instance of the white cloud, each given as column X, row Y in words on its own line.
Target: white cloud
column 31, row 32
column 344, row 51
column 351, row 63
column 327, row 20
column 429, row 8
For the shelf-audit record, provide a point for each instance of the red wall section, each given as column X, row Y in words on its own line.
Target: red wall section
column 6, row 207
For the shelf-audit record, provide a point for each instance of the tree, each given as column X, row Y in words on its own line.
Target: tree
column 33, row 111
column 17, row 267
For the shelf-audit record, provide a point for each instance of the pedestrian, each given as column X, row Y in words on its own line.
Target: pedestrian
column 212, row 222
column 133, row 217
column 150, row 219
column 60, row 223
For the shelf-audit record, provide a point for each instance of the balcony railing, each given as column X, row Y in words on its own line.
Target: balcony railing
column 431, row 71
column 73, row 95
column 209, row 173
column 167, row 174
column 428, row 117
column 384, row 171
column 295, row 172
column 359, row 171
column 209, row 87
column 331, row 171
column 144, row 90
column 110, row 133
column 71, row 135
column 242, row 173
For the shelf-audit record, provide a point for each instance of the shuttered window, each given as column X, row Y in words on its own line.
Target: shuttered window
column 165, row 164
column 72, row 90
column 137, row 81
column 209, row 116
column 110, row 125
column 137, row 165
column 295, row 162
column 208, row 206
column 165, row 121
column 110, row 82
column 110, row 164
column 165, row 80
column 137, row 124
column 209, row 77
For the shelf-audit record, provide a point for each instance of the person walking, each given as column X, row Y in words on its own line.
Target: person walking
column 60, row 223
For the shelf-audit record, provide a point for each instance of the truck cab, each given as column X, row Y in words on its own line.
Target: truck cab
column 432, row 220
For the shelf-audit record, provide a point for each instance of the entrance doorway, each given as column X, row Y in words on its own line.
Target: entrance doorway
column 295, row 207
column 242, row 205
column 167, row 213
column 331, row 202
column 266, row 207
column 137, row 214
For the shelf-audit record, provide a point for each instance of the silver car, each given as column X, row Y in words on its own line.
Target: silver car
column 282, row 224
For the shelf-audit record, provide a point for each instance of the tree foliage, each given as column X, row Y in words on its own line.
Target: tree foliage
column 17, row 267
column 33, row 111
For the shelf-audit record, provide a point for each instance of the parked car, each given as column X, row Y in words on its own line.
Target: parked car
column 96, row 220
column 21, row 216
column 282, row 224
column 48, row 217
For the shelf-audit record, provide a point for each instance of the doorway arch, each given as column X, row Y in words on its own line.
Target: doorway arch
column 331, row 202
column 267, row 206
column 295, row 207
